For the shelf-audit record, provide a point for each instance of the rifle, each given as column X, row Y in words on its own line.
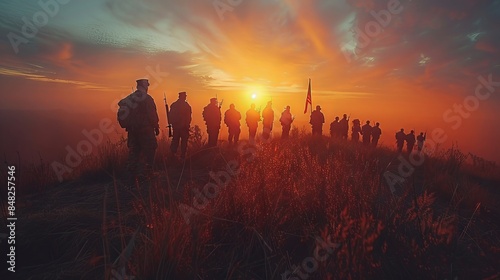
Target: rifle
column 168, row 116
column 222, row 101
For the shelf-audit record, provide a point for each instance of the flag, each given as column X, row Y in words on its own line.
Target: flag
column 308, row 98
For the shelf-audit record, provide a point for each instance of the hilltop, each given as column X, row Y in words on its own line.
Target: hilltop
column 311, row 207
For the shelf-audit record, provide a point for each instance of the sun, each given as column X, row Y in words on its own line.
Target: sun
column 254, row 94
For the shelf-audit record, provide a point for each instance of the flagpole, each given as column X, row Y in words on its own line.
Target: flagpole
column 311, row 95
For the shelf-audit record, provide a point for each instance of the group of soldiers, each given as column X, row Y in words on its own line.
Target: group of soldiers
column 213, row 118
column 339, row 128
column 142, row 136
column 410, row 139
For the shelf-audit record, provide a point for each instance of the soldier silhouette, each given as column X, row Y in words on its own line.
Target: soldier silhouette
column 344, row 127
column 410, row 141
column 212, row 118
column 421, row 140
column 366, row 131
column 317, row 120
column 232, row 119
column 400, row 139
column 376, row 132
column 286, row 120
column 335, row 128
column 142, row 127
column 252, row 120
column 356, row 130
column 180, row 118
column 267, row 120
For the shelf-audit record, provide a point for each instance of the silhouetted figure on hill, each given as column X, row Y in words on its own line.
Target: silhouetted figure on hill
column 142, row 127
column 344, row 127
column 232, row 119
column 356, row 130
column 180, row 118
column 335, row 128
column 317, row 120
column 366, row 131
column 267, row 120
column 400, row 139
column 212, row 117
column 286, row 120
column 410, row 141
column 421, row 140
column 376, row 132
column 252, row 120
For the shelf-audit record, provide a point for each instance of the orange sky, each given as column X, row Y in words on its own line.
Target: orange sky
column 421, row 64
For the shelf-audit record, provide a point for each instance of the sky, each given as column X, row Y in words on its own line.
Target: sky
column 420, row 65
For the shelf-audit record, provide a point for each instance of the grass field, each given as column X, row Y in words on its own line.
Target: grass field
column 305, row 208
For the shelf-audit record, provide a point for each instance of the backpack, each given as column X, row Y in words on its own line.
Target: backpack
column 125, row 112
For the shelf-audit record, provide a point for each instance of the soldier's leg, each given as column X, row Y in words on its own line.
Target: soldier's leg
column 175, row 140
column 286, row 130
column 216, row 137
column 210, row 138
column 252, row 131
column 149, row 148
column 134, row 152
column 184, row 141
column 213, row 136
column 231, row 136
column 266, row 132
column 237, row 135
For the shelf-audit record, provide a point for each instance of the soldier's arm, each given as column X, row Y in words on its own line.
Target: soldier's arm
column 152, row 113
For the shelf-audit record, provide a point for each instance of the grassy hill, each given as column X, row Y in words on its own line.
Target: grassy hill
column 306, row 207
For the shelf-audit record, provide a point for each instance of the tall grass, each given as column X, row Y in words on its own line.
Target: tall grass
column 267, row 218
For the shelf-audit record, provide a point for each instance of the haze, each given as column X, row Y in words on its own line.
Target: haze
column 409, row 65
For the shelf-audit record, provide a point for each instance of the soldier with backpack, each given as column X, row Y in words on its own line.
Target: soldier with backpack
column 410, row 141
column 376, row 132
column 212, row 117
column 421, row 140
column 366, row 131
column 137, row 114
column 344, row 126
column 180, row 118
column 252, row 119
column 286, row 120
column 317, row 120
column 356, row 130
column 267, row 120
column 232, row 119
column 335, row 128
column 400, row 139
